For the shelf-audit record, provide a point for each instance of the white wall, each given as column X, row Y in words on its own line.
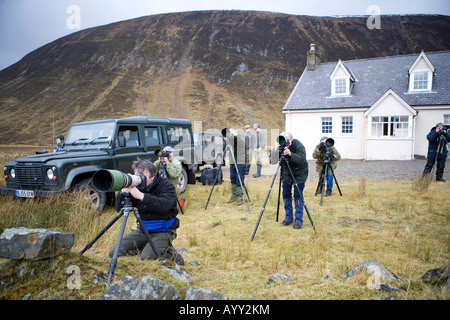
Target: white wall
column 389, row 149
column 307, row 128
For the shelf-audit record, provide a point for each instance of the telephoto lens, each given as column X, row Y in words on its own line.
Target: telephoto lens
column 105, row 180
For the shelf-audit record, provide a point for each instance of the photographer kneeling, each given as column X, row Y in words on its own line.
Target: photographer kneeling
column 295, row 153
column 157, row 205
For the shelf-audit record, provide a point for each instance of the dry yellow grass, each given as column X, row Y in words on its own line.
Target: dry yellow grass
column 405, row 229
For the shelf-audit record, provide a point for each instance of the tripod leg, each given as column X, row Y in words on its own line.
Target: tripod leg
column 300, row 193
column 240, row 178
column 278, row 203
column 179, row 206
column 112, row 266
column 215, row 180
column 325, row 173
column 239, row 174
column 335, row 180
column 150, row 241
column 102, row 232
column 320, row 183
column 265, row 202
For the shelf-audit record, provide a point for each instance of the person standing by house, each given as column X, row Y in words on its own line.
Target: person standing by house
column 326, row 151
column 59, row 141
column 438, row 137
column 251, row 146
column 260, row 146
column 295, row 154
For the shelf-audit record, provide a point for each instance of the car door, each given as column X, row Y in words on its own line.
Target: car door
column 131, row 150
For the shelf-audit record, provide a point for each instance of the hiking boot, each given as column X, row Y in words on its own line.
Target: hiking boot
column 286, row 223
column 297, row 226
column 173, row 255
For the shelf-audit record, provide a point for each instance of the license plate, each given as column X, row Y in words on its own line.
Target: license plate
column 25, row 193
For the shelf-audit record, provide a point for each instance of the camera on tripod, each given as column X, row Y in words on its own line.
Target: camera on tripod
column 283, row 142
column 105, row 180
column 161, row 153
column 443, row 129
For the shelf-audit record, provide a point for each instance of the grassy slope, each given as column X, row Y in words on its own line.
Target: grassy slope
column 404, row 228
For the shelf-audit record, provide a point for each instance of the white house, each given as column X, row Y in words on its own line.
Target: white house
column 374, row 109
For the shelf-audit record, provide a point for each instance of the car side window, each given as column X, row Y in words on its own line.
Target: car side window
column 178, row 135
column 131, row 135
column 152, row 136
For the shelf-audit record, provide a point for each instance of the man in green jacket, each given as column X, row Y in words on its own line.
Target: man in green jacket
column 168, row 166
column 295, row 154
column 325, row 151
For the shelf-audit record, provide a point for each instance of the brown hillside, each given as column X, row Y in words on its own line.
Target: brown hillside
column 224, row 68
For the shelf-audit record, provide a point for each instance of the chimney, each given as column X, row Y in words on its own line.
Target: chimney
column 311, row 59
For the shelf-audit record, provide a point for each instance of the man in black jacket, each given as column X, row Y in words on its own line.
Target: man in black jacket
column 157, row 206
column 438, row 137
column 295, row 153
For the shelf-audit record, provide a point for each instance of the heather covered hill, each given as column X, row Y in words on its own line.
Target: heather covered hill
column 224, row 68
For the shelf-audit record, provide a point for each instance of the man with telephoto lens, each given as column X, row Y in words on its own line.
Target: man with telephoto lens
column 157, row 206
column 170, row 168
column 293, row 151
column 438, row 137
column 326, row 151
column 239, row 145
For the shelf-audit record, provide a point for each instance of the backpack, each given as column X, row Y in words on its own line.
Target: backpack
column 209, row 175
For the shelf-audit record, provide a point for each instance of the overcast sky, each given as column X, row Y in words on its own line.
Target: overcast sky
column 26, row 25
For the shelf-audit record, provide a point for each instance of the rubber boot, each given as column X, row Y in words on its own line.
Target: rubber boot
column 289, row 212
column 258, row 171
column 298, row 214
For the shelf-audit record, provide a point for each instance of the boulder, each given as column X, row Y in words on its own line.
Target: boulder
column 121, row 290
column 149, row 288
column 34, row 244
column 439, row 276
column 192, row 293
column 278, row 277
column 372, row 267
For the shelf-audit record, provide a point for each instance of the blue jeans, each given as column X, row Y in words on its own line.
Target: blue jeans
column 287, row 198
column 329, row 178
column 234, row 175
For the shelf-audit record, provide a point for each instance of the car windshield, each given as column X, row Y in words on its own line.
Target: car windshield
column 90, row 136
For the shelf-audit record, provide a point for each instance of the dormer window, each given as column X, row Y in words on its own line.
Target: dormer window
column 421, row 81
column 340, row 86
column 421, row 74
column 341, row 80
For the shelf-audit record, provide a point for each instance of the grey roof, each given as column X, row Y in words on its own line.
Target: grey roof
column 374, row 77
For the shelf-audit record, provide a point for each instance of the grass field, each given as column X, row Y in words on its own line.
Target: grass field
column 402, row 225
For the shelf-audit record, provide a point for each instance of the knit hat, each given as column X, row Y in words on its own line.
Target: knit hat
column 60, row 136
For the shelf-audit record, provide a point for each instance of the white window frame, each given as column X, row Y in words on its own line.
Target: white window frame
column 335, row 83
column 327, row 124
column 446, row 119
column 414, row 80
column 347, row 125
column 391, row 126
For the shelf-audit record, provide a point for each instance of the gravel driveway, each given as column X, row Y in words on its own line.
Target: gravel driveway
column 348, row 170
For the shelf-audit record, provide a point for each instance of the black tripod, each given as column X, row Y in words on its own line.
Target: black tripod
column 440, row 150
column 125, row 211
column 326, row 169
column 282, row 158
column 244, row 189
